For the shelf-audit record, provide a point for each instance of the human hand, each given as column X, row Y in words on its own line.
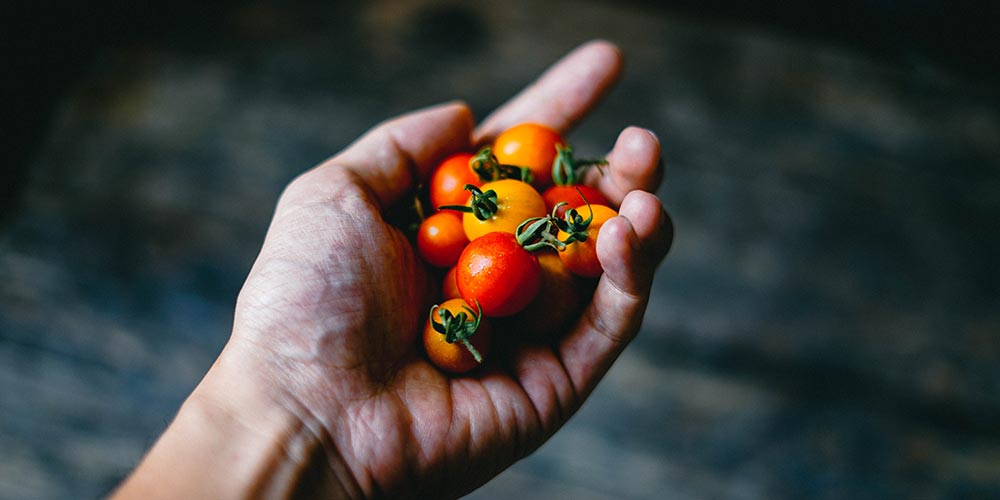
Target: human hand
column 324, row 360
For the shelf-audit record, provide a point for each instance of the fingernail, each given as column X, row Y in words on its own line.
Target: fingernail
column 653, row 135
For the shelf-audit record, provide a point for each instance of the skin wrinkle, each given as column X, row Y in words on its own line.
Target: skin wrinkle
column 494, row 414
column 405, row 469
column 356, row 425
column 509, row 427
column 302, row 434
column 540, row 392
column 394, row 135
column 523, row 441
column 464, row 431
column 388, row 159
column 316, row 436
column 416, row 454
column 415, row 424
column 317, row 290
column 482, row 394
column 522, row 438
column 553, row 393
column 597, row 319
column 320, row 428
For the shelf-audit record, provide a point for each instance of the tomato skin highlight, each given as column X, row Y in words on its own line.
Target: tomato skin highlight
column 441, row 239
column 516, row 201
column 454, row 357
column 447, row 183
column 556, row 194
column 581, row 256
column 529, row 145
column 499, row 274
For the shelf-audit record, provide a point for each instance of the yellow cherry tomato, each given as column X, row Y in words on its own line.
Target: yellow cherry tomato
column 516, row 201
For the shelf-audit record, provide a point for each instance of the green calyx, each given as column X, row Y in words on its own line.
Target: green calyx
column 458, row 327
column 542, row 232
column 575, row 225
column 568, row 170
column 482, row 205
column 488, row 168
column 536, row 233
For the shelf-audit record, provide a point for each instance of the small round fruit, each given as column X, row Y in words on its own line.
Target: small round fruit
column 498, row 273
column 529, row 145
column 515, row 202
column 581, row 256
column 441, row 239
column 447, row 184
column 456, row 357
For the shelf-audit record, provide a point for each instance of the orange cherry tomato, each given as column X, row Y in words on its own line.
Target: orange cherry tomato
column 529, row 145
column 569, row 194
column 559, row 301
column 516, row 202
column 449, row 286
column 441, row 239
column 498, row 273
column 455, row 357
column 447, row 184
column 581, row 256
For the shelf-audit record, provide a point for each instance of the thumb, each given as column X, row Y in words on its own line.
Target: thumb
column 392, row 157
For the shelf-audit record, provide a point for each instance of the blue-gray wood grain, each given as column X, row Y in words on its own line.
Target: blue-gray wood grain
column 825, row 326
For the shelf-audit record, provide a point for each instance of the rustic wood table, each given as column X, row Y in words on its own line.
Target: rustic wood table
column 826, row 325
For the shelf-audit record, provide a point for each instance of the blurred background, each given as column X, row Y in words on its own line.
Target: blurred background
column 826, row 325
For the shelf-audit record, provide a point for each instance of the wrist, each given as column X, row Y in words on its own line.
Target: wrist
column 237, row 437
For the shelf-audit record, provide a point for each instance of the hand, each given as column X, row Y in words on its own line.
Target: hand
column 324, row 362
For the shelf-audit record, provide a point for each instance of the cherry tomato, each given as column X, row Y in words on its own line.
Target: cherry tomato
column 558, row 303
column 581, row 256
column 516, row 201
column 456, row 357
column 447, row 184
column 499, row 274
column 529, row 145
column 449, row 286
column 568, row 194
column 441, row 239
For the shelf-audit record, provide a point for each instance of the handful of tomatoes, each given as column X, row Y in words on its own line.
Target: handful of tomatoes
column 515, row 245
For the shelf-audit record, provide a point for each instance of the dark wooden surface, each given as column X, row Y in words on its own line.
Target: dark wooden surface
column 826, row 325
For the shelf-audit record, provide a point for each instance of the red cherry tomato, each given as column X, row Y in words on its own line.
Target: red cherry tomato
column 581, row 256
column 441, row 239
column 455, row 357
column 498, row 273
column 447, row 184
column 568, row 194
column 529, row 145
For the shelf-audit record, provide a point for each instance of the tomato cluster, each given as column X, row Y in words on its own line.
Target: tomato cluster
column 514, row 245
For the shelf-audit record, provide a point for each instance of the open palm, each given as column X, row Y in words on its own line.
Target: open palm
column 332, row 308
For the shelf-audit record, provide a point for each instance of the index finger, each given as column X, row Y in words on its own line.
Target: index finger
column 562, row 95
